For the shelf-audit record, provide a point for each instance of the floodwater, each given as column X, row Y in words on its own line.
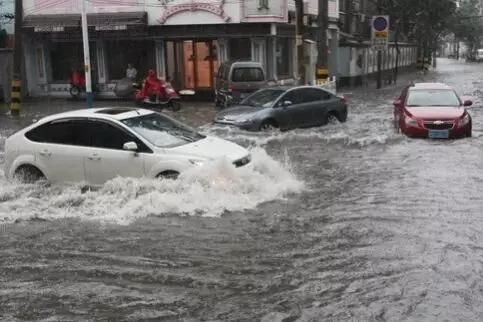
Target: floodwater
column 348, row 222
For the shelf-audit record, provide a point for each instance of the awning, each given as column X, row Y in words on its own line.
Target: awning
column 100, row 21
column 117, row 21
column 51, row 23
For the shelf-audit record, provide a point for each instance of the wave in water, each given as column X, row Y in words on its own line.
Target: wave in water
column 209, row 190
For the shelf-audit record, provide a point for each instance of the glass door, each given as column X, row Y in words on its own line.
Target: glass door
column 203, row 64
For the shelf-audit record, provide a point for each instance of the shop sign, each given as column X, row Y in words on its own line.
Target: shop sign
column 49, row 28
column 174, row 7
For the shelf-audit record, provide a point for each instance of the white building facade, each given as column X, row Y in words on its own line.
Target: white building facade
column 183, row 40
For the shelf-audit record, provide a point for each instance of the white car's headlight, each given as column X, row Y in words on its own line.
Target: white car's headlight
column 410, row 121
column 464, row 120
column 196, row 162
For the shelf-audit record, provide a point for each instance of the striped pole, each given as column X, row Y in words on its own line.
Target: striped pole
column 15, row 97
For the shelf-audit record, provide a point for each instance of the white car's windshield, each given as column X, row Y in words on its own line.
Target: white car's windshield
column 162, row 131
column 263, row 98
column 432, row 98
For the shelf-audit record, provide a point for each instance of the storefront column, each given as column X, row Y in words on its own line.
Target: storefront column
column 258, row 51
column 272, row 58
column 333, row 52
column 101, row 62
column 222, row 49
column 160, row 61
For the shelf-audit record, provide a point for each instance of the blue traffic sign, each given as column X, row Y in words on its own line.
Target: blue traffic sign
column 380, row 24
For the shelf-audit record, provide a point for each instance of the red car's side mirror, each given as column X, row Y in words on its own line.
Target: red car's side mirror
column 467, row 103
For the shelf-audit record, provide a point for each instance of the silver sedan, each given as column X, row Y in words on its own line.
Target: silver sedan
column 285, row 108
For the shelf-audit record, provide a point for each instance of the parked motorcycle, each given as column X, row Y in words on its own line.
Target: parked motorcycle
column 77, row 84
column 126, row 88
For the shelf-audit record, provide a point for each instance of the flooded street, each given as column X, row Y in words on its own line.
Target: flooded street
column 348, row 222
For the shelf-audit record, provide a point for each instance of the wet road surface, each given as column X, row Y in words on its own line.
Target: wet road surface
column 348, row 222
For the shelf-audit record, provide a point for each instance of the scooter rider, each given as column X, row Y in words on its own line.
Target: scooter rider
column 153, row 85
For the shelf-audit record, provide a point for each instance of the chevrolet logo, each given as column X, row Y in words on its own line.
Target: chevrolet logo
column 438, row 122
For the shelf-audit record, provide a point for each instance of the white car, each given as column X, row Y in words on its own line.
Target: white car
column 96, row 145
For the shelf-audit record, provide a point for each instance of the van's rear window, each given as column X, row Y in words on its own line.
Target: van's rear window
column 247, row 74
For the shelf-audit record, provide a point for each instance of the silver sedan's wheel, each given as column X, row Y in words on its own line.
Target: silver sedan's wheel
column 267, row 126
column 332, row 119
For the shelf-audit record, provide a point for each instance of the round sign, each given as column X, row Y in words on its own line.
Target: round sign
column 380, row 24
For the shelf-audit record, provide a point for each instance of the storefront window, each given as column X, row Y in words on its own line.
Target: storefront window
column 140, row 54
column 65, row 57
column 283, row 57
column 240, row 49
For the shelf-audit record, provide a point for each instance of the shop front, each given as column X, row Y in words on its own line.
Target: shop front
column 188, row 55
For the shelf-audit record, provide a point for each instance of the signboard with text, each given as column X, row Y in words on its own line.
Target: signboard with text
column 380, row 32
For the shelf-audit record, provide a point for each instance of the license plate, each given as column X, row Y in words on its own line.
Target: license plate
column 438, row 134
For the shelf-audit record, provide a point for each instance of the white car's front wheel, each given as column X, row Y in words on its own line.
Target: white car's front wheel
column 170, row 175
column 28, row 174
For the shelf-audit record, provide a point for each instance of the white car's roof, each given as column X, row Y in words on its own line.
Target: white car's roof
column 107, row 113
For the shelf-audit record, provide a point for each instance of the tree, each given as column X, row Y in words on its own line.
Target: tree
column 424, row 21
column 4, row 18
column 467, row 26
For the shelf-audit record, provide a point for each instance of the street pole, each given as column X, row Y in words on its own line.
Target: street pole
column 16, row 90
column 87, row 57
column 379, row 54
column 322, row 72
column 299, row 30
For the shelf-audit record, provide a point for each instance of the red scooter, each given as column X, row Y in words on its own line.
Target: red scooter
column 77, row 84
column 159, row 93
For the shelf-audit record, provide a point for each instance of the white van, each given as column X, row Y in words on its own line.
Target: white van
column 479, row 55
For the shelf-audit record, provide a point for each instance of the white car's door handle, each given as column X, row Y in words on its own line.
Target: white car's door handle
column 94, row 157
column 45, row 153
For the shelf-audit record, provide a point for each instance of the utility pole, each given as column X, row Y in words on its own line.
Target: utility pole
column 322, row 72
column 17, row 61
column 379, row 54
column 87, row 57
column 299, row 30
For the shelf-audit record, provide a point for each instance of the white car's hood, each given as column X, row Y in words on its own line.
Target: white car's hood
column 212, row 148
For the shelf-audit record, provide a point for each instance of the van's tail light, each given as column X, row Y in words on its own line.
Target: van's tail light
column 233, row 91
column 342, row 99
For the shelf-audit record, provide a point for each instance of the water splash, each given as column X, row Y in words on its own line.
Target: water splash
column 209, row 190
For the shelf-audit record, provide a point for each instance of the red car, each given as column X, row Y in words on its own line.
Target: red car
column 432, row 110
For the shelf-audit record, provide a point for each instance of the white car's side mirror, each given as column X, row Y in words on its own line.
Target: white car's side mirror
column 130, row 146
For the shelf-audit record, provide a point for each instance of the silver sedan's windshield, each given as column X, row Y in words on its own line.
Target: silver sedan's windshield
column 432, row 98
column 162, row 131
column 263, row 98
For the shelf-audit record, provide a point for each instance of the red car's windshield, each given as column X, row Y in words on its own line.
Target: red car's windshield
column 433, row 97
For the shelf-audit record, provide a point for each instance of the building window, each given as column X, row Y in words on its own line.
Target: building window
column 140, row 54
column 263, row 4
column 67, row 57
column 283, row 57
column 240, row 49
